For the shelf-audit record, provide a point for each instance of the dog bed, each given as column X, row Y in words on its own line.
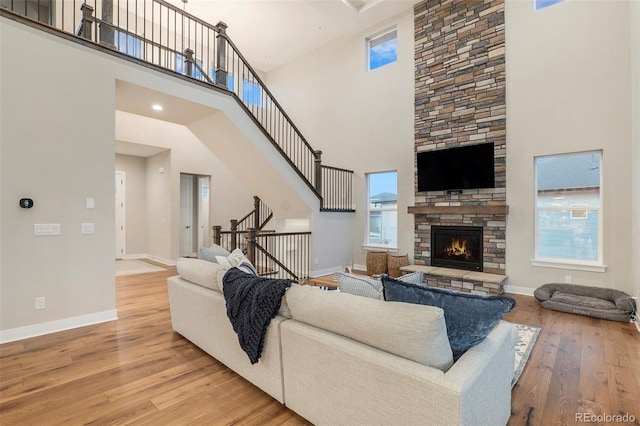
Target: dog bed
column 604, row 303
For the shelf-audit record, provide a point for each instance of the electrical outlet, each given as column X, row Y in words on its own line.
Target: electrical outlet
column 568, row 279
column 40, row 303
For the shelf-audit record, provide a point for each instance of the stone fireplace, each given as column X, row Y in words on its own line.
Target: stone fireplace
column 460, row 100
column 457, row 247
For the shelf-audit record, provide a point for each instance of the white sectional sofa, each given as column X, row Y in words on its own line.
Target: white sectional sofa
column 335, row 358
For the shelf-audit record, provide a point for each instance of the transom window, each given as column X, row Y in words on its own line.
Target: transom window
column 541, row 4
column 382, row 209
column 568, row 208
column 382, row 48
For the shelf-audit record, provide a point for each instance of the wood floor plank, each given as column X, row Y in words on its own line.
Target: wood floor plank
column 561, row 403
column 138, row 371
column 594, row 397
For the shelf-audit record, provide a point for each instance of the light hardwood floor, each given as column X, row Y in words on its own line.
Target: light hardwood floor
column 138, row 371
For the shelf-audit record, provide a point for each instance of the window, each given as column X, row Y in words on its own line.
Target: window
column 541, row 4
column 382, row 49
column 181, row 67
column 129, row 44
column 251, row 93
column 568, row 209
column 382, row 209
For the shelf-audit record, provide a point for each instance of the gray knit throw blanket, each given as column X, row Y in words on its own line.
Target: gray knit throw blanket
column 251, row 304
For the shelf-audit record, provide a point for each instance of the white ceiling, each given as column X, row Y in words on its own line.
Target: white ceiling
column 271, row 33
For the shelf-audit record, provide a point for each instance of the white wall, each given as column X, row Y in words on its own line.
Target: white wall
column 361, row 120
column 634, row 18
column 568, row 90
column 57, row 137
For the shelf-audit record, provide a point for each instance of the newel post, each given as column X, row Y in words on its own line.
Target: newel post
column 251, row 245
column 216, row 234
column 87, row 21
column 107, row 31
column 234, row 234
column 189, row 61
column 256, row 211
column 318, row 171
column 221, row 58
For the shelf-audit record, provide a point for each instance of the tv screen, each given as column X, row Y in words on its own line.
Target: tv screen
column 465, row 167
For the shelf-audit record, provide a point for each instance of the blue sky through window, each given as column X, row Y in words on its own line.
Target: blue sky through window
column 383, row 50
column 251, row 93
column 541, row 4
column 383, row 182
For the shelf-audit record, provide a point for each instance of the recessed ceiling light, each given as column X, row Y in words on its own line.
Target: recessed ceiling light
column 156, row 107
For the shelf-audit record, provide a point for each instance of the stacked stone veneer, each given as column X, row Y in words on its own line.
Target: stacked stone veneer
column 459, row 101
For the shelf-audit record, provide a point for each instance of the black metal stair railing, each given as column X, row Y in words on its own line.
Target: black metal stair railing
column 235, row 237
column 274, row 254
column 162, row 34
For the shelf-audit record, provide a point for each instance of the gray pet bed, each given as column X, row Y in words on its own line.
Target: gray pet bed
column 605, row 303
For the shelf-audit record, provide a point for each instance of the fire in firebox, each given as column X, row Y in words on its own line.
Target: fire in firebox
column 457, row 247
column 457, row 250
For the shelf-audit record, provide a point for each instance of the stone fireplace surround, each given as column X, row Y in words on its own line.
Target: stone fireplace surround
column 460, row 99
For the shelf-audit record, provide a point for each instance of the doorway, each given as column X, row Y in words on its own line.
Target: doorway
column 194, row 213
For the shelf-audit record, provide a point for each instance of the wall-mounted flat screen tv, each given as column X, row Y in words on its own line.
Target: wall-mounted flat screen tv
column 464, row 167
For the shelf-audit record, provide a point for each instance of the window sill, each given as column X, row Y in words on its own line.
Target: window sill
column 376, row 247
column 589, row 267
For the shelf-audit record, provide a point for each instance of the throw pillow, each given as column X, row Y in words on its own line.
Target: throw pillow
column 413, row 278
column 237, row 259
column 210, row 253
column 359, row 285
column 469, row 317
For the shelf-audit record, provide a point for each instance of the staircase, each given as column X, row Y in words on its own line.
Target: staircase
column 160, row 34
column 274, row 254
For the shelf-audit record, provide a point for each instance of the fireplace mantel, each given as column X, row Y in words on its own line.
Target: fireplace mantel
column 500, row 209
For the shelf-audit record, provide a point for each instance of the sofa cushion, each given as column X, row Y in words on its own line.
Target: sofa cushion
column 201, row 272
column 359, row 285
column 210, row 253
column 414, row 332
column 469, row 317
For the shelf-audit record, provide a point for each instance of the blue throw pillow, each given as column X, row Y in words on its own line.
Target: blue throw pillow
column 469, row 317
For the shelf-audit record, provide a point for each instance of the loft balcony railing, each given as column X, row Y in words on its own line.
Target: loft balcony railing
column 164, row 35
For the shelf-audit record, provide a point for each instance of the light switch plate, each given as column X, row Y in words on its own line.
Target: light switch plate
column 88, row 228
column 91, row 203
column 46, row 229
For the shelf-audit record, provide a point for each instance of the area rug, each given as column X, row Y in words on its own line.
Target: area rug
column 132, row 266
column 527, row 336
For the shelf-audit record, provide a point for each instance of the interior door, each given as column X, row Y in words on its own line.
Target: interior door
column 204, row 238
column 120, row 215
column 186, row 216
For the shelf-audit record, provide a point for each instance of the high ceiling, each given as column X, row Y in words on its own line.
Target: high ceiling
column 271, row 33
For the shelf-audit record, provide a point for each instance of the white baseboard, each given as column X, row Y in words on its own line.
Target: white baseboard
column 322, row 272
column 13, row 334
column 162, row 260
column 526, row 291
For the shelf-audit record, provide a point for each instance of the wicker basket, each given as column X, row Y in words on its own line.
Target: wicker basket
column 394, row 262
column 376, row 262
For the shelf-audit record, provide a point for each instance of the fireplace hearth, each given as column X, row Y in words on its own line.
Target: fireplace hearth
column 458, row 247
